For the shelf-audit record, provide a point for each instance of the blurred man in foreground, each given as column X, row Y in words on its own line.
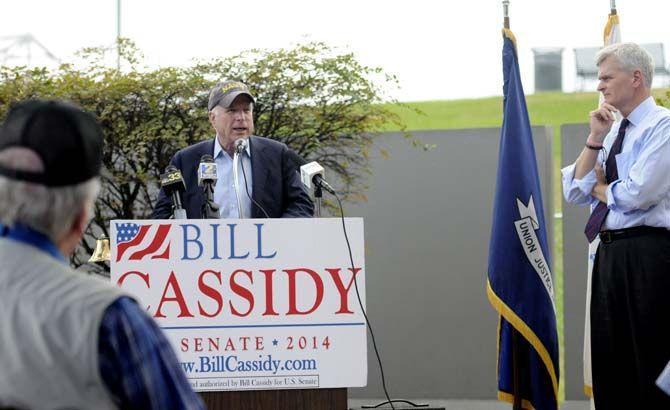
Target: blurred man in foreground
column 67, row 340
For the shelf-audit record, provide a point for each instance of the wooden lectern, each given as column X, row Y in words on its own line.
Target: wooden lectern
column 309, row 399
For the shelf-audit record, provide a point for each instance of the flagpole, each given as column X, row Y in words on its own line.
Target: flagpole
column 612, row 6
column 506, row 13
column 516, row 370
column 527, row 336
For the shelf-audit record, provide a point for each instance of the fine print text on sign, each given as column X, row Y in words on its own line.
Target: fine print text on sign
column 251, row 304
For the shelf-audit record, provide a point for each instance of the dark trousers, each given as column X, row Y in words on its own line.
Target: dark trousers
column 630, row 322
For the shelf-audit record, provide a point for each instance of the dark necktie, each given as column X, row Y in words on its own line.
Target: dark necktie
column 611, row 174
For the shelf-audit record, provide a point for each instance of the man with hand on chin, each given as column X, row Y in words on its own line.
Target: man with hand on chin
column 273, row 188
column 622, row 173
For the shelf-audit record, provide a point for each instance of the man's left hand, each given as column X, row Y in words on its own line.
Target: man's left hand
column 600, row 173
column 600, row 188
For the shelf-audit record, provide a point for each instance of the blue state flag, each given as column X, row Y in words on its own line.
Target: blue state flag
column 519, row 284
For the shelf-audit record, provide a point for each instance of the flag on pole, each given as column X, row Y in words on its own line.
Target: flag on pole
column 520, row 285
column 611, row 35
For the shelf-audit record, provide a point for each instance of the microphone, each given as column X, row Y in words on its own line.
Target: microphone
column 207, row 179
column 240, row 145
column 173, row 185
column 311, row 174
column 207, row 170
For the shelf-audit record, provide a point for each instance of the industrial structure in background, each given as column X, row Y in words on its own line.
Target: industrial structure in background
column 25, row 50
column 587, row 70
column 549, row 67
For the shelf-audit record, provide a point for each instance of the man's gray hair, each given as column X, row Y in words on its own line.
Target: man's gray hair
column 48, row 210
column 631, row 57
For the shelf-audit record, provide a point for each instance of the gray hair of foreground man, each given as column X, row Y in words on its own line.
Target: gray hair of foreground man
column 631, row 57
column 50, row 210
column 50, row 162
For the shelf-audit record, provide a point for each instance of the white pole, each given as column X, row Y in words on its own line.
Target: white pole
column 118, row 34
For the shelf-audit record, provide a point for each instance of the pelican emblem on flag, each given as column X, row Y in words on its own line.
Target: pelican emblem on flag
column 526, row 226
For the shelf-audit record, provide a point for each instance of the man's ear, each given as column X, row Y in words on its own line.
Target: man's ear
column 638, row 79
column 68, row 242
column 80, row 222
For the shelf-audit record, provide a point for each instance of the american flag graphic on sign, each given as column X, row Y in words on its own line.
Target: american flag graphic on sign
column 135, row 242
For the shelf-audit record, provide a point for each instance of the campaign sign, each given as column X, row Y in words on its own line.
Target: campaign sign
column 251, row 304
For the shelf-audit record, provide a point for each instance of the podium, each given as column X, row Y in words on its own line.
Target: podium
column 262, row 313
column 310, row 399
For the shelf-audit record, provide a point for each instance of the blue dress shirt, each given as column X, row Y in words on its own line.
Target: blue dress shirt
column 641, row 195
column 137, row 363
column 224, row 190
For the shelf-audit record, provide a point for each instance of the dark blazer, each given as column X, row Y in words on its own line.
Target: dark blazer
column 276, row 184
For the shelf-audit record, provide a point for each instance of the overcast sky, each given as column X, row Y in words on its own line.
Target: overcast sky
column 439, row 49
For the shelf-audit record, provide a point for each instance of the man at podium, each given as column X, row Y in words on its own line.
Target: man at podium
column 68, row 340
column 254, row 177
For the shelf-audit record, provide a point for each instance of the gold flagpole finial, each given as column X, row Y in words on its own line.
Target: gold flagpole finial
column 506, row 13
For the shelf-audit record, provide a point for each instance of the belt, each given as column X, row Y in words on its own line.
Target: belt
column 616, row 234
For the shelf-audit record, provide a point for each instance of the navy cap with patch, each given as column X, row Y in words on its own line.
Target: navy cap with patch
column 67, row 139
column 225, row 93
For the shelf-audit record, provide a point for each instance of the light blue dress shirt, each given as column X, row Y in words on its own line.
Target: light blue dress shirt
column 641, row 195
column 224, row 190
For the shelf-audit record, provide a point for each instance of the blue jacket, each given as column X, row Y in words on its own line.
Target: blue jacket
column 276, row 184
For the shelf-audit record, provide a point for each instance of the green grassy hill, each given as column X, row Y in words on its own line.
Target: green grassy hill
column 543, row 108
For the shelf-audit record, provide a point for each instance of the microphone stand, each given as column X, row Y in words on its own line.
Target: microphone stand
column 236, row 183
column 178, row 212
column 318, row 197
column 210, row 210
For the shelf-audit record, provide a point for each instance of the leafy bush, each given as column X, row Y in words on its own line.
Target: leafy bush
column 324, row 104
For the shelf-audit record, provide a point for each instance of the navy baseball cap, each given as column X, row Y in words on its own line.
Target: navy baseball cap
column 67, row 139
